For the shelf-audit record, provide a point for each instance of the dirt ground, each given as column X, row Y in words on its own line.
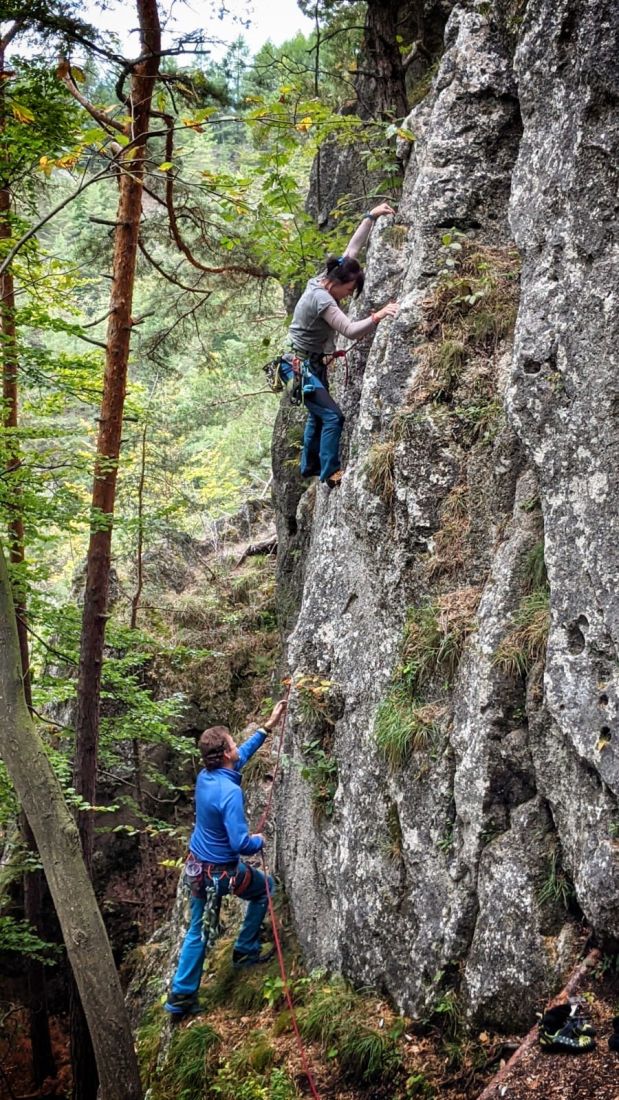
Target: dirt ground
column 591, row 1076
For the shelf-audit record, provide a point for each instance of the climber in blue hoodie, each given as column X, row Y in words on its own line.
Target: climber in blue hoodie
column 220, row 836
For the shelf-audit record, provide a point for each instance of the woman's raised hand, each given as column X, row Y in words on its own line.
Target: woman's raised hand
column 384, row 208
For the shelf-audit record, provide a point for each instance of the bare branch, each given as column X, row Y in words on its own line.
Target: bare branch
column 231, row 269
column 99, row 116
column 170, row 278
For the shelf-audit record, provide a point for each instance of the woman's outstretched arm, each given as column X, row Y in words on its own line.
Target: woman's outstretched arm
column 354, row 330
column 363, row 230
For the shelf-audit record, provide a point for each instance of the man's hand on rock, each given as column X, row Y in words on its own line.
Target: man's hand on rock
column 275, row 717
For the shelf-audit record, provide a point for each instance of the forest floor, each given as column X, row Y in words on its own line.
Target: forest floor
column 433, row 1059
column 590, row 1076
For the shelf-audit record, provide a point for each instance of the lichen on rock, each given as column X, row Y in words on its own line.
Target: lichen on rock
column 471, row 455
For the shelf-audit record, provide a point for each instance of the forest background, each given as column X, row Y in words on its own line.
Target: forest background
column 224, row 244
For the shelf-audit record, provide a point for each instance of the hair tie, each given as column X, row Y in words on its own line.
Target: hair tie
column 340, row 260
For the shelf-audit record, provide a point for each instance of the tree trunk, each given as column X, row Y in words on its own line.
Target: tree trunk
column 43, row 1063
column 380, row 83
column 110, row 427
column 34, row 882
column 118, row 340
column 57, row 839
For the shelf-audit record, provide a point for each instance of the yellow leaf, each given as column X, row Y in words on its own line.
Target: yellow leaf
column 165, row 167
column 45, row 164
column 193, row 124
column 78, row 74
column 304, row 125
column 22, row 114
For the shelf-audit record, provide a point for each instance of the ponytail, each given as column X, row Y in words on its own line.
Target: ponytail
column 344, row 269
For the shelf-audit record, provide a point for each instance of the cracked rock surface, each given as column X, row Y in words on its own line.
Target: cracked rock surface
column 461, row 869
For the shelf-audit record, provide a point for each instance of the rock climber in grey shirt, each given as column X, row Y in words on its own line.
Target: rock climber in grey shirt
column 315, row 322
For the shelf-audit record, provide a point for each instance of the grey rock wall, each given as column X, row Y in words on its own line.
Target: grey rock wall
column 439, row 877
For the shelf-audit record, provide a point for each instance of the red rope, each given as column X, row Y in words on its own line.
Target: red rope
column 287, row 994
column 276, row 936
column 267, row 809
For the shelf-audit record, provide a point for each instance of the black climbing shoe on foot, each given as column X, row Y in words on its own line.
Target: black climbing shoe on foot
column 613, row 1040
column 561, row 1032
column 335, row 479
column 182, row 1004
column 239, row 958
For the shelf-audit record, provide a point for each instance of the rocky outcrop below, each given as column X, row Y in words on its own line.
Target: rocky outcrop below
column 449, row 809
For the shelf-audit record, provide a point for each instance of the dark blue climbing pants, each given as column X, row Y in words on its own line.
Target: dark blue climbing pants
column 321, row 441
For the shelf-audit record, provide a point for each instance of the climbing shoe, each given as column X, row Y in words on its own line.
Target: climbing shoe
column 613, row 1040
column 563, row 1030
column 182, row 1004
column 240, row 959
column 335, row 479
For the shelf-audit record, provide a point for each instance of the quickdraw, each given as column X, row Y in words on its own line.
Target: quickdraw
column 285, row 371
column 211, row 927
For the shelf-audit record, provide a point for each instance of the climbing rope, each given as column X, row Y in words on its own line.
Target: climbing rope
column 276, row 936
column 287, row 993
column 267, row 809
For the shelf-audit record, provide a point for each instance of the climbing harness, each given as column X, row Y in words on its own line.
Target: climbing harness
column 203, row 881
column 298, row 375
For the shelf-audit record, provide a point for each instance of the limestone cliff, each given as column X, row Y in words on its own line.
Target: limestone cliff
column 449, row 806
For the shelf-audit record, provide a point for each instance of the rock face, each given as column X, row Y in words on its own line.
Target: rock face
column 449, row 806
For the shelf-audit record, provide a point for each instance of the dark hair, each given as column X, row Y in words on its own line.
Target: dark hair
column 343, row 269
column 212, row 744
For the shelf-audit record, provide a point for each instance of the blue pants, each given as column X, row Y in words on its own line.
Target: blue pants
column 321, row 441
column 250, row 887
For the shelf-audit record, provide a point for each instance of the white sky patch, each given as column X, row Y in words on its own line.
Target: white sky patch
column 277, row 20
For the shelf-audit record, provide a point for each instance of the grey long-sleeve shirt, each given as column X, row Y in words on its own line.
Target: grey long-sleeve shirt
column 317, row 316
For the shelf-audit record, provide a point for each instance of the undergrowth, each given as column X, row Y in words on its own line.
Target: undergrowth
column 235, row 614
column 434, row 638
column 191, row 1060
column 525, row 645
column 337, row 1018
column 320, row 706
column 380, row 465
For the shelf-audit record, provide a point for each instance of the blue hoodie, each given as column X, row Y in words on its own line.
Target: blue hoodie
column 221, row 831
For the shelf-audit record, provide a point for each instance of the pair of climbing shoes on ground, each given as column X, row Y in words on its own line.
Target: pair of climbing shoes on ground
column 565, row 1029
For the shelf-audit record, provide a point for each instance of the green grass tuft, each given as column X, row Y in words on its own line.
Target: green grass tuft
column 190, row 1061
column 403, row 727
column 535, row 568
column 336, row 1017
column 556, row 889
